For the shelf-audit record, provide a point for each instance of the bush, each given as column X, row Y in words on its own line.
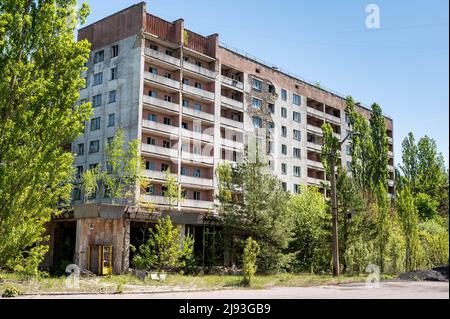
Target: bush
column 434, row 240
column 26, row 263
column 11, row 291
column 426, row 206
column 359, row 255
column 251, row 252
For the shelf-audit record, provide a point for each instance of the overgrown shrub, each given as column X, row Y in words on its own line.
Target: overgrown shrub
column 359, row 254
column 251, row 252
column 26, row 263
column 434, row 240
column 11, row 291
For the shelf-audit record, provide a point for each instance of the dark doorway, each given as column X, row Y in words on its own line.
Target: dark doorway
column 64, row 245
column 139, row 233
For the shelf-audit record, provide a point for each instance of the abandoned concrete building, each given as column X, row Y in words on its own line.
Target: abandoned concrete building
column 191, row 101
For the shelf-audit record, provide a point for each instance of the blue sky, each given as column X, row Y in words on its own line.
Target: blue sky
column 403, row 66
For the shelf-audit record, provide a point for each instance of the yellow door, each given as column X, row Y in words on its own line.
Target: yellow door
column 106, row 260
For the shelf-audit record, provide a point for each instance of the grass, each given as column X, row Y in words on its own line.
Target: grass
column 129, row 283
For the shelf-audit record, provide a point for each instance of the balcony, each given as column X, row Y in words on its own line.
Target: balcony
column 162, row 80
column 229, row 81
column 204, row 182
column 162, row 56
column 233, row 103
column 390, row 154
column 155, row 175
column 200, row 204
column 157, row 200
column 315, row 181
column 314, row 146
column 314, row 112
column 314, row 164
column 199, row 92
column 197, row 136
column 161, row 103
column 391, row 168
column 232, row 144
column 314, row 129
column 158, row 150
column 198, row 114
column 333, row 119
column 232, row 123
column 199, row 158
column 168, row 129
column 199, row 70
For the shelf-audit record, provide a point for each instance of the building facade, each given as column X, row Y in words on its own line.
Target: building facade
column 193, row 103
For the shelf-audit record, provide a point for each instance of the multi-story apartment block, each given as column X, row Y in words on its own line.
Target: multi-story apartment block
column 192, row 103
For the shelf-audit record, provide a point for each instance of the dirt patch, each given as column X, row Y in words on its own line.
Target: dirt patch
column 435, row 274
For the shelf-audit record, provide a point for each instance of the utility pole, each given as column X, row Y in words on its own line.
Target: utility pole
column 334, row 213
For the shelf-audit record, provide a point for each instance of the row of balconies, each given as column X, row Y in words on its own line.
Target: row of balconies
column 186, row 203
column 192, row 67
column 174, row 107
column 184, row 180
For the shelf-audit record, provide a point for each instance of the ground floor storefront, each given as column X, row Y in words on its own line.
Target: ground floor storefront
column 97, row 237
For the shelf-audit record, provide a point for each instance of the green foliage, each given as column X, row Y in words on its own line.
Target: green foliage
column 122, row 174
column 11, row 291
column 409, row 219
column 258, row 210
column 330, row 148
column 251, row 252
column 359, row 254
column 173, row 192
column 40, row 67
column 409, row 165
column 380, row 147
column 311, row 237
column 165, row 248
column 434, row 239
column 426, row 206
column 395, row 250
column 26, row 264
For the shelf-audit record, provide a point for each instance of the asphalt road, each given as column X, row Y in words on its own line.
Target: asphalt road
column 386, row 290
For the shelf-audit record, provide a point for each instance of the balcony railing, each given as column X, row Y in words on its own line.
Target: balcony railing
column 332, row 118
column 232, row 144
column 158, row 150
column 162, row 56
column 205, row 182
column 200, row 204
column 161, row 103
column 197, row 136
column 233, row 83
column 199, row 69
column 199, row 158
column 198, row 114
column 315, row 164
column 197, row 91
column 314, row 129
column 155, row 175
column 157, row 200
column 162, row 80
column 230, row 122
column 314, row 111
column 314, row 146
column 231, row 102
column 169, row 129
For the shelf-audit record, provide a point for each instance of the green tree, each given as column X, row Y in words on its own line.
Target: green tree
column 173, row 192
column 311, row 240
column 123, row 168
column 40, row 67
column 361, row 148
column 409, row 220
column 251, row 252
column 165, row 248
column 409, row 165
column 121, row 176
column 258, row 209
column 379, row 157
column 427, row 206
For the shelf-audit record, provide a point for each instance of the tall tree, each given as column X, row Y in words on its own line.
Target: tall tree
column 409, row 219
column 40, row 67
column 361, row 147
column 430, row 168
column 254, row 204
column 409, row 167
column 379, row 157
